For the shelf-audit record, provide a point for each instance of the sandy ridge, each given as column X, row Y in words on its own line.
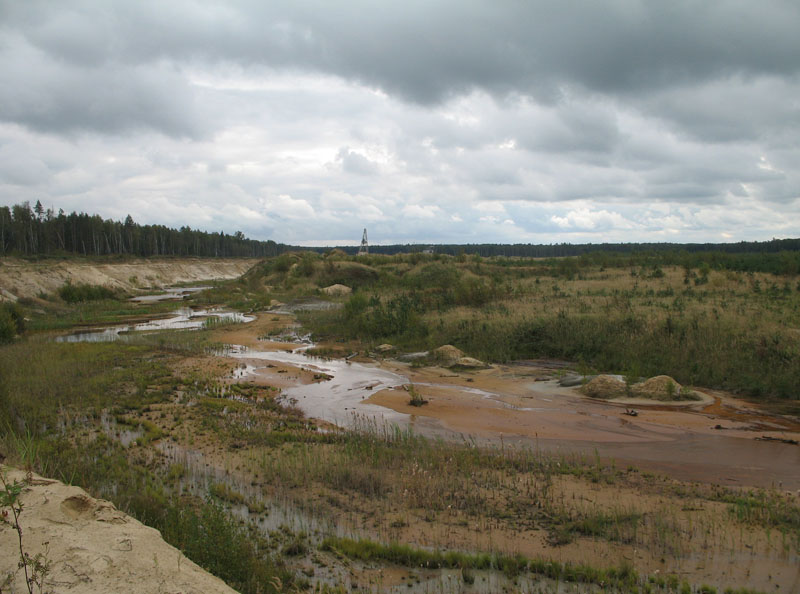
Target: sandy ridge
column 19, row 278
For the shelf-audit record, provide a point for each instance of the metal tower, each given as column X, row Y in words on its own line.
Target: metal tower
column 364, row 249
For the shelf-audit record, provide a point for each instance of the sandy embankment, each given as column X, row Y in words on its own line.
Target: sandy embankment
column 19, row 278
column 94, row 547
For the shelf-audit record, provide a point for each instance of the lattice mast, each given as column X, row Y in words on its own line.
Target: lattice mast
column 364, row 249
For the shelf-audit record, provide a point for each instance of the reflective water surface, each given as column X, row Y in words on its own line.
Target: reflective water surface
column 181, row 319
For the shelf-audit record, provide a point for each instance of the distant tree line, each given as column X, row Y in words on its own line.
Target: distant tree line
column 38, row 231
column 777, row 256
column 558, row 250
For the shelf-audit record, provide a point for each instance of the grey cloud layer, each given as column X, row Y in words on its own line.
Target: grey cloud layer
column 424, row 51
column 495, row 121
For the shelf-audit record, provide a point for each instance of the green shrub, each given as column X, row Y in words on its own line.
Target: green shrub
column 12, row 322
column 85, row 292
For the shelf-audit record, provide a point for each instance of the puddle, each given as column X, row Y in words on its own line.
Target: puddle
column 309, row 304
column 171, row 294
column 242, row 371
column 551, row 419
column 277, row 514
column 268, row 513
column 125, row 434
column 181, row 319
column 336, row 400
column 290, row 336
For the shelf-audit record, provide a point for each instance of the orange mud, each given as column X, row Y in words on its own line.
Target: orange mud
column 522, row 405
column 713, row 440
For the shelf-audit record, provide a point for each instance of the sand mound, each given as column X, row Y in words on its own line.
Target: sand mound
column 604, row 386
column 447, row 355
column 660, row 387
column 94, row 547
column 337, row 290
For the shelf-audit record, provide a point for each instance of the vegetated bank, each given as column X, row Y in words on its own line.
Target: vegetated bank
column 66, row 420
column 705, row 326
column 387, row 486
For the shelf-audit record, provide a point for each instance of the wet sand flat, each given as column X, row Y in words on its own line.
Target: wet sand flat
column 712, row 440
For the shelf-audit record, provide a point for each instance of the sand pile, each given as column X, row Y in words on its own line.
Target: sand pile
column 447, row 355
column 604, row 386
column 94, row 547
column 660, row 387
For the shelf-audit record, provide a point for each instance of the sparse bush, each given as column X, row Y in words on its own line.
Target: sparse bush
column 416, row 398
column 85, row 292
column 12, row 321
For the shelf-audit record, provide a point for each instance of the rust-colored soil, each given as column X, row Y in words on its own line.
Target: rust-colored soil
column 711, row 440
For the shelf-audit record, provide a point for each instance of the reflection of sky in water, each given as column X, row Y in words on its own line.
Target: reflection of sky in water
column 182, row 319
column 340, row 399
column 168, row 294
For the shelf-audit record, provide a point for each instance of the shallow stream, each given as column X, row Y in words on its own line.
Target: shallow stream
column 170, row 294
column 181, row 319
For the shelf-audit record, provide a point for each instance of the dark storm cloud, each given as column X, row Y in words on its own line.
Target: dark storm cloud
column 507, row 120
column 428, row 51
column 423, row 51
column 48, row 95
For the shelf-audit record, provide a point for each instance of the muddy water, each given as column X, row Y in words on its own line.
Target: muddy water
column 266, row 512
column 270, row 515
column 181, row 319
column 549, row 418
column 125, row 434
column 342, row 397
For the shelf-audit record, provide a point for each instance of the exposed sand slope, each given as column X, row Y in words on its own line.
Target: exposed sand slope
column 93, row 547
column 19, row 278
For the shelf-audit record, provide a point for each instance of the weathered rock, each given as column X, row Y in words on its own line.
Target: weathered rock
column 384, row 348
column 337, row 290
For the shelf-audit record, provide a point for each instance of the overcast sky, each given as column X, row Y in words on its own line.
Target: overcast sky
column 425, row 121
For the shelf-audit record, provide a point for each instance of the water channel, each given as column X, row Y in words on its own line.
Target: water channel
column 181, row 319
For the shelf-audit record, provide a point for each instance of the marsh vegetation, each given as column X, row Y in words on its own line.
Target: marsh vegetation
column 373, row 496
